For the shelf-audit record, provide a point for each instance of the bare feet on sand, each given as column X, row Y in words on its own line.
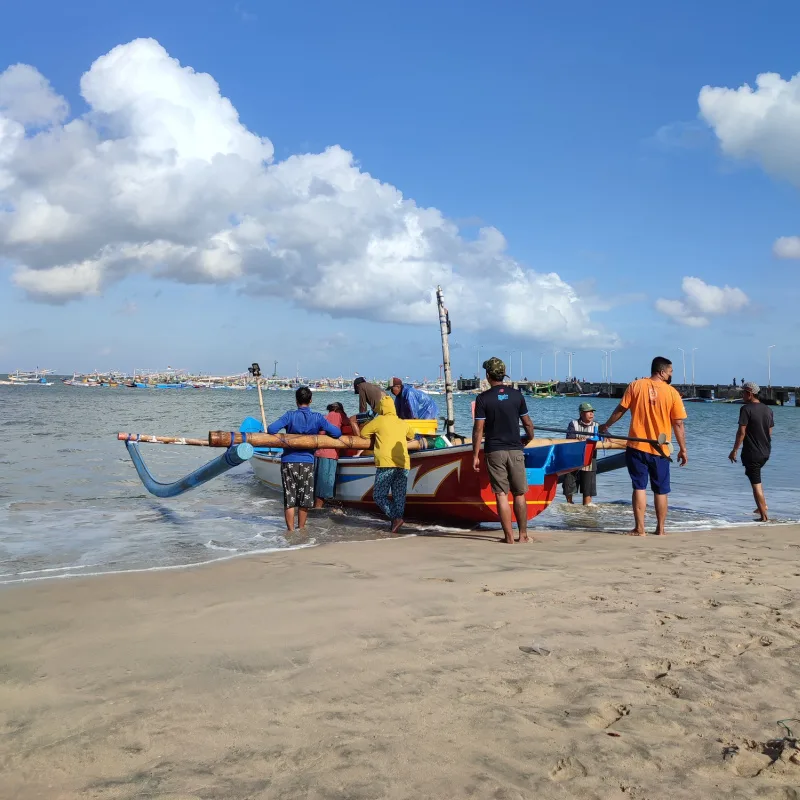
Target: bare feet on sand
column 397, row 524
column 524, row 538
column 634, row 532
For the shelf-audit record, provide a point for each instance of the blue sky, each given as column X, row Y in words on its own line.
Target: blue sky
column 571, row 128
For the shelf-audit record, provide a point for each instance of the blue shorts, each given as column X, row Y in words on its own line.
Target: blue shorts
column 642, row 466
column 325, row 477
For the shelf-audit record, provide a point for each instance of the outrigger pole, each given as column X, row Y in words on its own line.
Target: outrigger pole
column 444, row 325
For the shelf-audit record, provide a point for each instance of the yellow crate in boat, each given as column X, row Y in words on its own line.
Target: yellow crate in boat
column 427, row 427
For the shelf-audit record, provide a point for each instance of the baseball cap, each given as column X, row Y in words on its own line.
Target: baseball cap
column 394, row 382
column 495, row 368
column 751, row 387
column 585, row 407
column 357, row 382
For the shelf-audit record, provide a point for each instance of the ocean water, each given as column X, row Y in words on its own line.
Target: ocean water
column 72, row 504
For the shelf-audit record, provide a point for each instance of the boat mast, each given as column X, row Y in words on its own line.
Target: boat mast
column 444, row 325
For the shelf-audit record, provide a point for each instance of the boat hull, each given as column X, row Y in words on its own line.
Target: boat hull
column 442, row 484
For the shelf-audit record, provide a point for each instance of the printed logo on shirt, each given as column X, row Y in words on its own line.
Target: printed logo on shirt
column 502, row 397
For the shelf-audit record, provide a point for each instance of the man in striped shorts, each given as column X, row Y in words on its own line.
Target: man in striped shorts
column 586, row 479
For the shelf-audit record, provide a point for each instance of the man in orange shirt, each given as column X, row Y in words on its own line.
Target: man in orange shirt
column 655, row 409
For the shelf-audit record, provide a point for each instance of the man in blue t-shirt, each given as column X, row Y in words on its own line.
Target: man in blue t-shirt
column 297, row 466
column 498, row 413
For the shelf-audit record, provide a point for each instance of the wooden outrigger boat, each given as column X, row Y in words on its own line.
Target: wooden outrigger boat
column 442, row 484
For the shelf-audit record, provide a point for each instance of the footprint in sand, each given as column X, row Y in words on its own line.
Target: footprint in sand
column 567, row 769
column 606, row 714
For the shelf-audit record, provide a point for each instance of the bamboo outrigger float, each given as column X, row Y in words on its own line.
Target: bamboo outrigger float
column 442, row 484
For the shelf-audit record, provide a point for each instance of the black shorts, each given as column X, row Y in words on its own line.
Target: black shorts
column 583, row 482
column 752, row 468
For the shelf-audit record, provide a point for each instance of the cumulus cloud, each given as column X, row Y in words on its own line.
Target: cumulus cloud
column 701, row 301
column 787, row 247
column 161, row 177
column 27, row 97
column 760, row 124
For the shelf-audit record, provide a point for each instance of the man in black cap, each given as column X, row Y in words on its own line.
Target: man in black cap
column 585, row 479
column 755, row 433
column 498, row 413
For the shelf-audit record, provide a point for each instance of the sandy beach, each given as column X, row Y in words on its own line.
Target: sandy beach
column 393, row 669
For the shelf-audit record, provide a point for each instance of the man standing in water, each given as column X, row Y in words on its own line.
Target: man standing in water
column 584, row 480
column 297, row 466
column 656, row 407
column 498, row 413
column 755, row 432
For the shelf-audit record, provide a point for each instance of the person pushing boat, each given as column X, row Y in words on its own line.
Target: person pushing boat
column 410, row 402
column 392, row 461
column 297, row 466
column 369, row 395
column 498, row 413
column 585, row 479
column 326, row 459
column 656, row 407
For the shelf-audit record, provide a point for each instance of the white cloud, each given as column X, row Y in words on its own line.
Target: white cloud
column 701, row 301
column 761, row 123
column 161, row 177
column 787, row 247
column 26, row 97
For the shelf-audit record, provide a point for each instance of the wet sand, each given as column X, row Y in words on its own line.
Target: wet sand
column 393, row 669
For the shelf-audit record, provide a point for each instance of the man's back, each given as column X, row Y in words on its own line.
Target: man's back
column 302, row 420
column 654, row 405
column 501, row 407
column 369, row 396
column 757, row 439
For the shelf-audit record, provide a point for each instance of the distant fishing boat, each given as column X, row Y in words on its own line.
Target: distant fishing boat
column 542, row 391
column 37, row 377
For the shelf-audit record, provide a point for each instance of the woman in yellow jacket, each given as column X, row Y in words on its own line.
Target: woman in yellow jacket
column 391, row 460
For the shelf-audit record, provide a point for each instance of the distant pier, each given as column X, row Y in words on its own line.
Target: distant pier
column 770, row 395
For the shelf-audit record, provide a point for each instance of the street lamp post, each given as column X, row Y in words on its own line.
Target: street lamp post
column 683, row 353
column 604, row 363
column 555, row 364
column 610, row 372
column 511, row 364
column 480, row 363
column 569, row 365
column 769, row 365
column 693, row 351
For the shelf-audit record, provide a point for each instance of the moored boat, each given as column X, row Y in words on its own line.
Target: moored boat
column 442, row 484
